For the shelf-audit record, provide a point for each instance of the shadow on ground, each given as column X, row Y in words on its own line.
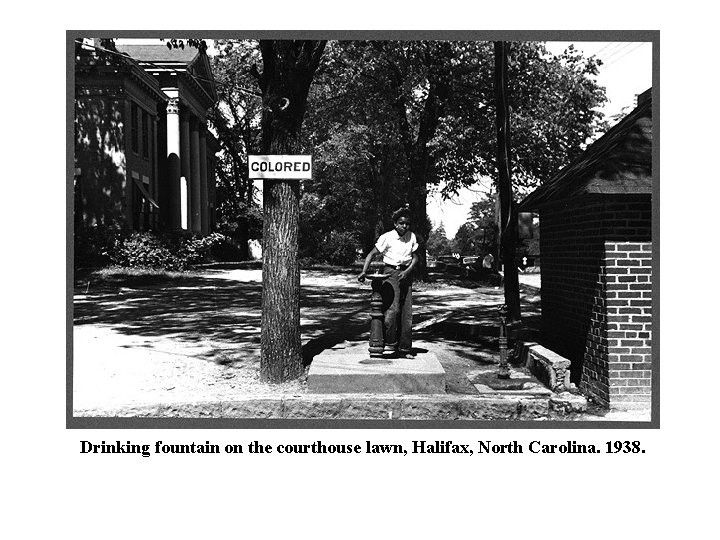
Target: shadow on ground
column 207, row 308
column 198, row 310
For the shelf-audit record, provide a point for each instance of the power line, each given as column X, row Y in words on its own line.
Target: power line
column 613, row 46
column 605, row 47
column 628, row 52
column 617, row 51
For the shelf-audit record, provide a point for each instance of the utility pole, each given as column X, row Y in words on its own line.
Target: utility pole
column 508, row 218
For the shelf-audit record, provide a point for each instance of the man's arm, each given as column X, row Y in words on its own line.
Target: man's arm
column 405, row 273
column 368, row 260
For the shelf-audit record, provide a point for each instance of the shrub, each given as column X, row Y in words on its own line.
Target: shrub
column 147, row 250
column 225, row 251
column 166, row 251
column 309, row 262
column 94, row 246
column 198, row 249
column 339, row 248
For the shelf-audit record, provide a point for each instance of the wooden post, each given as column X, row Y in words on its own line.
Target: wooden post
column 508, row 219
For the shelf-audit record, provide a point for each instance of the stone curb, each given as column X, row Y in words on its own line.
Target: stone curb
column 548, row 366
column 347, row 406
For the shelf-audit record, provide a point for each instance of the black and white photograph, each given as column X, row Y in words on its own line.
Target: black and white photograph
column 368, row 227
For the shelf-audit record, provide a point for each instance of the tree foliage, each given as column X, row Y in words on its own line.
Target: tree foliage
column 175, row 43
column 388, row 121
column 466, row 240
column 479, row 235
column 438, row 242
column 236, row 119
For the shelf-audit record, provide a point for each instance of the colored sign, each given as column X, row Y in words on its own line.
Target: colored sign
column 280, row 167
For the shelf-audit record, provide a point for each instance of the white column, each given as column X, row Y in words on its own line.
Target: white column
column 183, row 204
column 185, row 169
column 173, row 163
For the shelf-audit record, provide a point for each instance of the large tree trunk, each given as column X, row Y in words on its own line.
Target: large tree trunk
column 508, row 218
column 439, row 81
column 288, row 69
column 280, row 346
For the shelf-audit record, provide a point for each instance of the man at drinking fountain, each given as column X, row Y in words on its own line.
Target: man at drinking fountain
column 398, row 248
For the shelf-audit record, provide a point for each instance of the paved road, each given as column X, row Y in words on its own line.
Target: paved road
column 530, row 279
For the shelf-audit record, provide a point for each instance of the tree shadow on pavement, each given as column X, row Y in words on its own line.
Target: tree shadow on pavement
column 224, row 315
column 219, row 319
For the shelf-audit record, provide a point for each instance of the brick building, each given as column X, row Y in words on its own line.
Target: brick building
column 596, row 249
column 144, row 159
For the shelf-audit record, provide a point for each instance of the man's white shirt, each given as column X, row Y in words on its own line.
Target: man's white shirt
column 397, row 249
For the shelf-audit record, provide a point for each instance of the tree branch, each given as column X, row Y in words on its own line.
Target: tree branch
column 258, row 77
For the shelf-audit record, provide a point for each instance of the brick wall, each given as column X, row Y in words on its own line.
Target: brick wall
column 617, row 364
column 576, row 308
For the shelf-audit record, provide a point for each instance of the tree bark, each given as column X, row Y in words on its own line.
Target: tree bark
column 508, row 218
column 439, row 78
column 288, row 70
column 280, row 346
column 420, row 162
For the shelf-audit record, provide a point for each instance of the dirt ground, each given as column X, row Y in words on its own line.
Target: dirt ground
column 196, row 337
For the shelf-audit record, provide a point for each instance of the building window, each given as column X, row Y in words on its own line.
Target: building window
column 151, row 216
column 134, row 143
column 138, row 206
column 145, row 135
column 144, row 207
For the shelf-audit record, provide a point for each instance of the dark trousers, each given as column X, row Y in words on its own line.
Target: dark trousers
column 397, row 307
